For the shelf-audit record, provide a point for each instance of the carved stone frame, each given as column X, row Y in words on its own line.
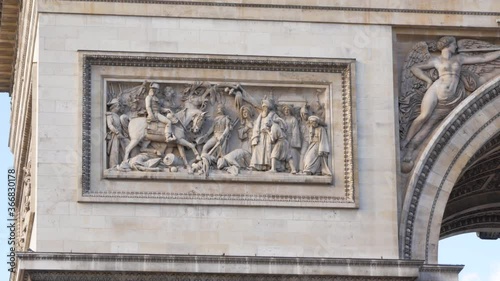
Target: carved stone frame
column 344, row 67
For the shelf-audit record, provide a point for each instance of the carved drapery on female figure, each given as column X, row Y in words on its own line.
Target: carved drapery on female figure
column 246, row 127
column 316, row 157
column 304, row 131
column 424, row 105
column 293, row 134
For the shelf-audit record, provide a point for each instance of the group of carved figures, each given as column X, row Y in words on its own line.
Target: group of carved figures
column 433, row 85
column 145, row 129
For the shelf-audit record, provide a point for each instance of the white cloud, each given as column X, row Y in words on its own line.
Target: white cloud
column 495, row 272
column 470, row 277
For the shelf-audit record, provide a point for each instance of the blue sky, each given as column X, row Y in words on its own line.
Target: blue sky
column 5, row 163
column 482, row 258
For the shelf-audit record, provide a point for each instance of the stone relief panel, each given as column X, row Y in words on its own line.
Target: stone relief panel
column 437, row 75
column 224, row 130
column 212, row 128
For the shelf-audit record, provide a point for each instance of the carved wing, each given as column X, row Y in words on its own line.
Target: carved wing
column 412, row 89
column 474, row 75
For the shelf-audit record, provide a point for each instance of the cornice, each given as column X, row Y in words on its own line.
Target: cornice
column 441, row 268
column 83, row 266
column 148, row 276
column 213, row 259
column 297, row 7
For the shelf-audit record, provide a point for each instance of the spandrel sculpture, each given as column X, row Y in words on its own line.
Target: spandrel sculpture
column 433, row 85
column 209, row 129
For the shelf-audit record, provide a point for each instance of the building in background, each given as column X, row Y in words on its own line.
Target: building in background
column 225, row 140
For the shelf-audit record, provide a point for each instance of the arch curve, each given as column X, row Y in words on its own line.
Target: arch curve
column 467, row 128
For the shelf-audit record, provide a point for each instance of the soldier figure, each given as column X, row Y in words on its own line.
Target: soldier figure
column 155, row 111
column 115, row 136
column 220, row 129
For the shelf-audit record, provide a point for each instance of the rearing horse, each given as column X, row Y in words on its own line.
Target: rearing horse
column 189, row 119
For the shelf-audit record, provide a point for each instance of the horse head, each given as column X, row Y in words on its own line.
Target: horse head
column 198, row 120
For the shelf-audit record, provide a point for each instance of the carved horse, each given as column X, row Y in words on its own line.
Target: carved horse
column 190, row 121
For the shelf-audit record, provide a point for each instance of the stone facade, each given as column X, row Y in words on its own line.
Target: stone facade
column 360, row 214
column 261, row 230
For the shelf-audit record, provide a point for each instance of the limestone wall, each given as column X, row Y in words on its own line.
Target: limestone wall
column 64, row 224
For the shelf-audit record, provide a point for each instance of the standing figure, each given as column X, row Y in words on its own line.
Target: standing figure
column 292, row 134
column 116, row 141
column 155, row 111
column 261, row 137
column 281, row 148
column 220, row 130
column 316, row 157
column 304, row 131
column 246, row 127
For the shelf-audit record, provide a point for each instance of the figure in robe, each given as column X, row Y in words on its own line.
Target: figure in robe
column 261, row 137
column 292, row 134
column 280, row 153
column 116, row 141
column 316, row 157
column 246, row 127
column 304, row 132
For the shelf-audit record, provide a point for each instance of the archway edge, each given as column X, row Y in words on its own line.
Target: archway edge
column 423, row 203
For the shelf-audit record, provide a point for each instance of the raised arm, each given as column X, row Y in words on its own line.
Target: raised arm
column 418, row 71
column 480, row 58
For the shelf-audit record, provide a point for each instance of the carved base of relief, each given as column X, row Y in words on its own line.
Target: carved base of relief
column 187, row 124
column 219, row 176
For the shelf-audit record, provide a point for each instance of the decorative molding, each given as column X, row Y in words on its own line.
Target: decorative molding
column 227, row 260
column 149, row 276
column 441, row 268
column 347, row 122
column 481, row 172
column 296, row 7
column 448, row 170
column 226, row 197
column 452, row 127
column 485, row 218
column 83, row 266
column 493, row 142
column 342, row 67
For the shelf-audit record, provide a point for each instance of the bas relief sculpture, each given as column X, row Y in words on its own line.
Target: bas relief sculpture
column 208, row 128
column 433, row 85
